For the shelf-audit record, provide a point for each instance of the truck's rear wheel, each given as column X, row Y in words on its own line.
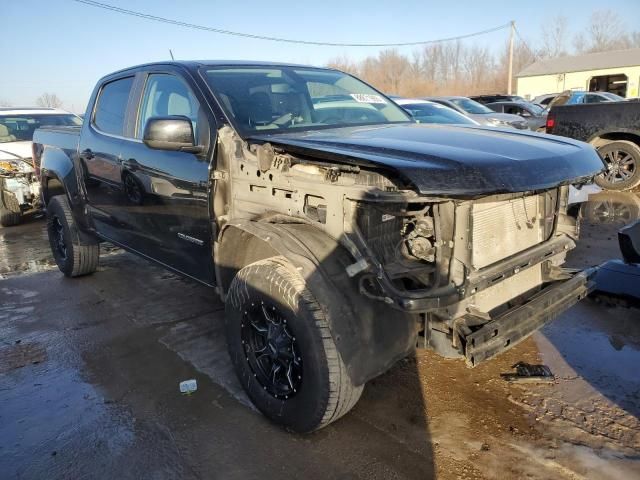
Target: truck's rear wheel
column 282, row 349
column 10, row 212
column 623, row 165
column 75, row 254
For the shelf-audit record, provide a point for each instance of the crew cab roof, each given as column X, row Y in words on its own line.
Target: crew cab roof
column 194, row 64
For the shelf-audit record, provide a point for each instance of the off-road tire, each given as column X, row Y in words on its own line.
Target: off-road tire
column 625, row 147
column 81, row 252
column 326, row 392
column 10, row 212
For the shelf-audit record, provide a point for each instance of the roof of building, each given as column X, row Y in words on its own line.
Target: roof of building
column 580, row 63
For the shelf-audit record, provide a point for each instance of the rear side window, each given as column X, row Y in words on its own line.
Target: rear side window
column 111, row 110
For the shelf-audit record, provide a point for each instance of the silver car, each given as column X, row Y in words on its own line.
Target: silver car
column 480, row 113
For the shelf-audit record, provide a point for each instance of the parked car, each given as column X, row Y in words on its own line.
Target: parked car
column 534, row 115
column 571, row 97
column 19, row 184
column 497, row 97
column 611, row 127
column 544, row 100
column 337, row 244
column 424, row 111
column 480, row 113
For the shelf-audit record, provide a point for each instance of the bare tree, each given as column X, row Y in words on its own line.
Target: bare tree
column 49, row 100
column 554, row 37
column 464, row 68
column 606, row 32
column 344, row 64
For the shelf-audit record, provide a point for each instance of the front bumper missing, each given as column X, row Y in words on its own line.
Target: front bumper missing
column 518, row 323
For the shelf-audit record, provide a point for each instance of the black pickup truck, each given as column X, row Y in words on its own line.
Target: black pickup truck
column 613, row 128
column 339, row 233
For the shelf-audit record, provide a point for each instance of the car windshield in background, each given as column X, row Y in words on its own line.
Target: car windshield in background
column 535, row 109
column 286, row 98
column 21, row 127
column 470, row 106
column 436, row 113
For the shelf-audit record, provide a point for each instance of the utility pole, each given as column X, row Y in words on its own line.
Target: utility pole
column 510, row 72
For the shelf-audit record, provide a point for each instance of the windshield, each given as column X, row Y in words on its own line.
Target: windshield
column 272, row 99
column 17, row 128
column 470, row 106
column 436, row 113
column 535, row 109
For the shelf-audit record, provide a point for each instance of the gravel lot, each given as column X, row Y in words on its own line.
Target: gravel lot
column 89, row 373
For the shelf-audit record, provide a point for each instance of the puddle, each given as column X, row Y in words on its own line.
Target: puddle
column 50, row 417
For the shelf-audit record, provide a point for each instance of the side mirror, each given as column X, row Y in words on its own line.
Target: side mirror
column 174, row 133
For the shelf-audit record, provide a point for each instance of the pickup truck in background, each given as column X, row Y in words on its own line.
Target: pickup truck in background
column 339, row 233
column 613, row 128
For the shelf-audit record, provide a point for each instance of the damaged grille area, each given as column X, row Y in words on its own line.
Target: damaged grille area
column 501, row 228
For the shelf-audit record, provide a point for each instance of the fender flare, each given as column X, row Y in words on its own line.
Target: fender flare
column 56, row 165
column 369, row 335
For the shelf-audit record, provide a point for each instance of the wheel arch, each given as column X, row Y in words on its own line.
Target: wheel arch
column 602, row 138
column 369, row 335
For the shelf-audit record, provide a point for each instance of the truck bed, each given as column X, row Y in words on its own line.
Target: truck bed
column 64, row 138
column 588, row 121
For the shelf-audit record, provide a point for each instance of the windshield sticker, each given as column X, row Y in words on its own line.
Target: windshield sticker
column 367, row 98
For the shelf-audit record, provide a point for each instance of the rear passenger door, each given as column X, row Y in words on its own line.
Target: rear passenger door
column 167, row 192
column 100, row 154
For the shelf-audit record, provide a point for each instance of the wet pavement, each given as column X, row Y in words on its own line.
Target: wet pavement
column 89, row 373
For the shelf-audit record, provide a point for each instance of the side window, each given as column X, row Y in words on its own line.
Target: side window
column 110, row 112
column 592, row 99
column 166, row 94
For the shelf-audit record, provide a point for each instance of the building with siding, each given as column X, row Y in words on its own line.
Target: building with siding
column 616, row 72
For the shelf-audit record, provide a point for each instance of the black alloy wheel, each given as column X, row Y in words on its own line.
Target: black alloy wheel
column 56, row 234
column 271, row 350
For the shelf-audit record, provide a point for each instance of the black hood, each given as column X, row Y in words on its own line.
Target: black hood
column 451, row 160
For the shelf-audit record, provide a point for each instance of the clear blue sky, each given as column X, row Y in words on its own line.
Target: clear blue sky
column 63, row 47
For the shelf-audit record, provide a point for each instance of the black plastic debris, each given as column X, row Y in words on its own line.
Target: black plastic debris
column 525, row 372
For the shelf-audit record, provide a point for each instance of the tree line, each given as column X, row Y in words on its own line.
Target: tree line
column 458, row 68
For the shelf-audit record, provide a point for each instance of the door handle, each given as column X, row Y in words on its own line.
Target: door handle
column 87, row 154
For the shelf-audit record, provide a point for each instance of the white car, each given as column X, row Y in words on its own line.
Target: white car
column 19, row 183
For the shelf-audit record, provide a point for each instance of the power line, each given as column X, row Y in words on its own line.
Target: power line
column 533, row 54
column 155, row 18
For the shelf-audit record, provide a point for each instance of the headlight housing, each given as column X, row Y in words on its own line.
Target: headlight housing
column 16, row 166
column 495, row 122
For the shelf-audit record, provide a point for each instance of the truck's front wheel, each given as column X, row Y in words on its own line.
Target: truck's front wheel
column 75, row 254
column 282, row 349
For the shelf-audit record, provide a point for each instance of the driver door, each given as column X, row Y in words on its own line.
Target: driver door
column 167, row 192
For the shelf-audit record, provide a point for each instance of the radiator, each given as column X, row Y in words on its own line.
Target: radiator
column 503, row 228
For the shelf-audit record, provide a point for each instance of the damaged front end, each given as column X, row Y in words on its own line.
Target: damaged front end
column 478, row 274
column 19, row 185
column 482, row 273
